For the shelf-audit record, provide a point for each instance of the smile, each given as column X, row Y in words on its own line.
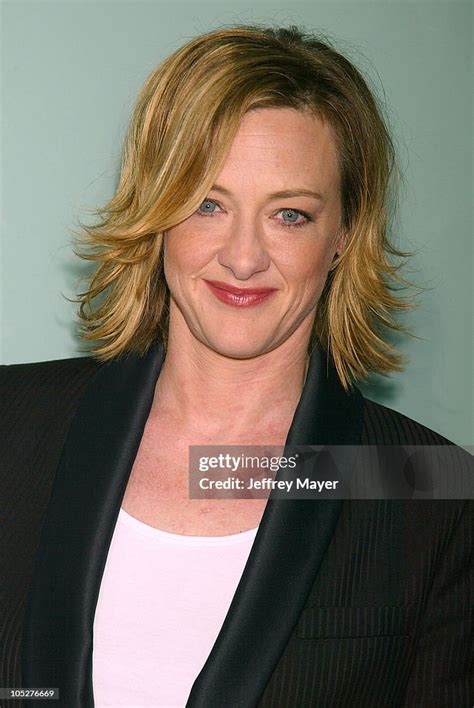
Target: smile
column 238, row 297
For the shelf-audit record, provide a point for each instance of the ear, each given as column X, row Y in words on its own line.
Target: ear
column 341, row 241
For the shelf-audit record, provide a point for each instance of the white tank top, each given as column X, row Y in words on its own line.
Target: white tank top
column 162, row 601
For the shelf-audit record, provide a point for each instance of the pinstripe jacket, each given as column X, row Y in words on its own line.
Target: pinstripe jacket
column 341, row 603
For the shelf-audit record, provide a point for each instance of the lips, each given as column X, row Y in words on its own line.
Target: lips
column 239, row 291
column 238, row 297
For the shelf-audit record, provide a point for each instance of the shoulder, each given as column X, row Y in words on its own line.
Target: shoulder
column 55, row 375
column 41, row 390
column 386, row 426
column 37, row 403
column 43, row 368
column 446, row 474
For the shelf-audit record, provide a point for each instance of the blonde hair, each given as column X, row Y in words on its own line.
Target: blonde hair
column 184, row 121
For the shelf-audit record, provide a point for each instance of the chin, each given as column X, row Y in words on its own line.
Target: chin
column 237, row 347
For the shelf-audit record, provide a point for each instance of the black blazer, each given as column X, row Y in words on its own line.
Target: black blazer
column 341, row 603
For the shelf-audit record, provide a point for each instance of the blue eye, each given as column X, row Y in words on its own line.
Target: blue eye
column 294, row 215
column 207, row 207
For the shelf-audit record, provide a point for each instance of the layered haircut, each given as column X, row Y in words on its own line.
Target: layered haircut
column 183, row 124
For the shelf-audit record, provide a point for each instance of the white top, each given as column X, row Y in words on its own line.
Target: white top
column 162, row 601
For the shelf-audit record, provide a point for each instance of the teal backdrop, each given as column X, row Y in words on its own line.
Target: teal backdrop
column 70, row 73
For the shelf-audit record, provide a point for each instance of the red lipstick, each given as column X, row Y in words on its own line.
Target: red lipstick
column 238, row 297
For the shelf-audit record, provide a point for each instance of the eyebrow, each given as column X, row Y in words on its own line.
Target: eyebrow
column 284, row 194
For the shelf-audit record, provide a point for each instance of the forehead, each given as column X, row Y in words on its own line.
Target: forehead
column 292, row 144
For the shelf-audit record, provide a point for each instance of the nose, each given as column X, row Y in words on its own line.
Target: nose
column 243, row 251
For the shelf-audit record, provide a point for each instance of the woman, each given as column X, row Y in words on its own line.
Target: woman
column 243, row 283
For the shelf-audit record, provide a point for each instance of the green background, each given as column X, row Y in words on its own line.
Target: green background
column 70, row 74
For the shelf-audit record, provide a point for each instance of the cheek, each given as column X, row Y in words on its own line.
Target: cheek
column 308, row 267
column 184, row 252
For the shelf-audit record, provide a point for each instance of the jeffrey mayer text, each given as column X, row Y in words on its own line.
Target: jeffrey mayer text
column 305, row 483
column 267, row 483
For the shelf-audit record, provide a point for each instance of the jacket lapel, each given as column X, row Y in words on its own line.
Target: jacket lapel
column 90, row 483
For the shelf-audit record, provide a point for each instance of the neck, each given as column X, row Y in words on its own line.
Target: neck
column 203, row 388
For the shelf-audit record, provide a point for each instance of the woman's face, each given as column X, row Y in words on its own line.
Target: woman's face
column 246, row 270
